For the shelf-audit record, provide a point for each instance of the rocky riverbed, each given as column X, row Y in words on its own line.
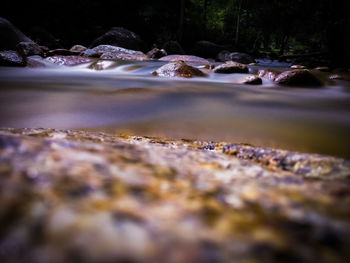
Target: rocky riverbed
column 70, row 195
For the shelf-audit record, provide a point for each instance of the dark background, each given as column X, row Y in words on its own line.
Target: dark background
column 253, row 26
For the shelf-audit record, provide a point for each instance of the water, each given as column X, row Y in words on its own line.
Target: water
column 126, row 98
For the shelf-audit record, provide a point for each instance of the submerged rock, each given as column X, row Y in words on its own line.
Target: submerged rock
column 105, row 198
column 178, row 69
column 297, row 77
column 120, row 37
column 186, row 58
column 235, row 56
column 11, row 59
column 231, row 67
column 68, row 60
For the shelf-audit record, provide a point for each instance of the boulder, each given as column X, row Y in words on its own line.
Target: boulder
column 156, row 53
column 68, row 60
column 231, row 67
column 235, row 56
column 123, row 56
column 120, row 37
column 206, row 49
column 114, row 49
column 173, row 47
column 78, row 48
column 10, row 35
column 269, row 74
column 297, row 77
column 11, row 59
column 43, row 37
column 186, row 58
column 252, row 80
column 30, row 49
column 178, row 69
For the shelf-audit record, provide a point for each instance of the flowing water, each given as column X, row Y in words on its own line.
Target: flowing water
column 126, row 98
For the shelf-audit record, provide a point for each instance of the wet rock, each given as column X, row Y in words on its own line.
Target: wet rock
column 123, row 56
column 10, row 35
column 269, row 74
column 68, row 60
column 231, row 67
column 116, row 50
column 91, row 53
column 252, row 80
column 11, row 59
column 156, row 53
column 186, row 58
column 178, row 69
column 207, row 49
column 297, row 77
column 173, row 48
column 323, row 69
column 120, row 37
column 298, row 67
column 61, row 52
column 235, row 56
column 29, row 49
column 78, row 48
column 101, row 65
column 340, row 76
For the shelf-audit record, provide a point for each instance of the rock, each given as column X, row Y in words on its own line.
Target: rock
column 297, row 67
column 297, row 77
column 91, row 53
column 323, row 69
column 78, row 48
column 68, row 60
column 186, row 58
column 231, row 67
column 252, row 80
column 99, row 197
column 207, row 49
column 122, row 56
column 61, row 52
column 156, row 53
column 178, row 69
column 235, row 56
column 11, row 59
column 173, row 48
column 10, row 35
column 116, row 50
column 29, row 49
column 269, row 74
column 120, row 37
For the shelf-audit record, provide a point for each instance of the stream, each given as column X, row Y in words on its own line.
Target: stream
column 126, row 98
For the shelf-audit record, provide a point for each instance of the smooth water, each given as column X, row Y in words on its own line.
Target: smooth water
column 126, row 98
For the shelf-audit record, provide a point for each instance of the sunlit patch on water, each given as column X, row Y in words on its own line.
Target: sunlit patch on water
column 124, row 96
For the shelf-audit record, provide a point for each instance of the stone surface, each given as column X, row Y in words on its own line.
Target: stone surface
column 186, row 58
column 297, row 77
column 235, row 56
column 105, row 198
column 117, row 50
column 178, row 69
column 10, row 35
column 78, row 48
column 29, row 49
column 62, row 52
column 11, row 59
column 231, row 67
column 252, row 80
column 156, row 53
column 120, row 37
column 68, row 60
column 123, row 56
column 298, row 67
column 269, row 74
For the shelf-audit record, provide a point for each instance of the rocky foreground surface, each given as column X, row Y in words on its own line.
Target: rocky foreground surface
column 77, row 196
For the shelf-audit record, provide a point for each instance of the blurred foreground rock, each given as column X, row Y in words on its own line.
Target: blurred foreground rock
column 94, row 197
